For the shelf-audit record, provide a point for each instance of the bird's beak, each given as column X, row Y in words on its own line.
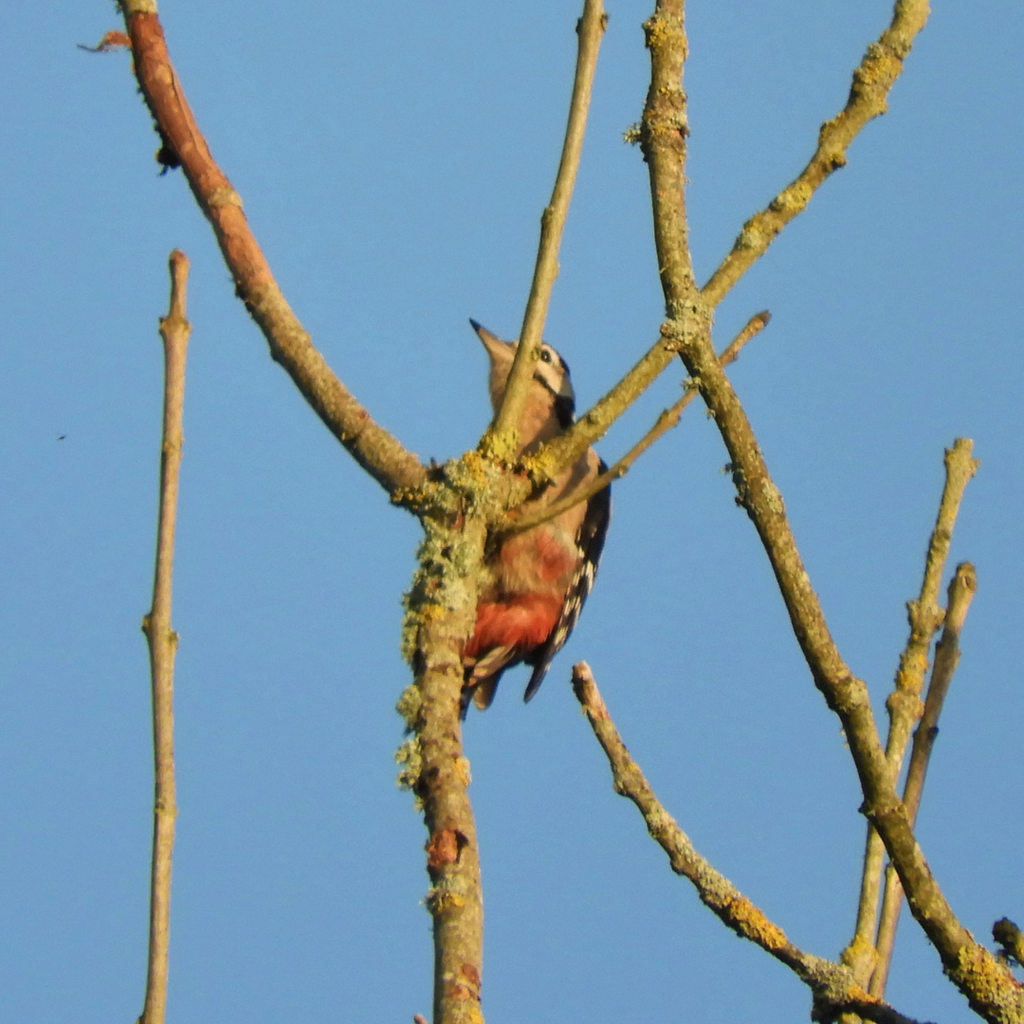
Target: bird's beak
column 492, row 342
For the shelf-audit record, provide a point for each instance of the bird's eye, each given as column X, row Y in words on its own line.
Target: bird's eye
column 545, row 355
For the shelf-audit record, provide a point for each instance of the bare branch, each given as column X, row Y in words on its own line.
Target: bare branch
column 110, row 41
column 664, row 128
column 925, row 614
column 663, row 132
column 962, row 588
column 590, row 30
column 163, row 643
column 832, row 984
column 872, row 80
column 989, row 987
column 377, row 451
column 904, row 703
column 668, row 419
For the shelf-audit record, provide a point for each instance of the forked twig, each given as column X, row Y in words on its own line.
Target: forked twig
column 962, row 588
column 163, row 643
column 666, row 421
column 904, row 703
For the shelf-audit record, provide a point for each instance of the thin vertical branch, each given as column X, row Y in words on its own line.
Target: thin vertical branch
column 664, row 128
column 962, row 588
column 590, row 30
column 961, row 592
column 925, row 614
column 163, row 644
column 440, row 614
column 904, row 703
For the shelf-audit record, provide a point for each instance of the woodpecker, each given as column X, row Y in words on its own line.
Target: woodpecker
column 536, row 580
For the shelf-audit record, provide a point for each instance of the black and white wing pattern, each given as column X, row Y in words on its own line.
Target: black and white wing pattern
column 590, row 541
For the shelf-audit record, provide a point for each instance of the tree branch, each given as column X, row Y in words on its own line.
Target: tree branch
column 869, row 91
column 163, row 643
column 904, row 703
column 664, row 128
column 590, row 30
column 962, row 588
column 832, row 984
column 377, row 451
column 441, row 611
column 925, row 615
column 668, row 420
column 988, row 985
column 663, row 131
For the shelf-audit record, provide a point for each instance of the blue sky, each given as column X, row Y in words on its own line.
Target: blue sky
column 394, row 160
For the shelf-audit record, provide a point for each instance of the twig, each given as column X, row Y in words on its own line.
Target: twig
column 666, row 421
column 163, row 643
column 590, row 30
column 872, row 81
column 182, row 142
column 663, row 131
column 831, row 983
column 110, row 41
column 925, row 614
column 962, row 588
column 904, row 703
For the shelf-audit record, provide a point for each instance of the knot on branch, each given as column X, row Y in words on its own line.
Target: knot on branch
column 831, row 149
column 924, row 620
column 688, row 324
column 793, row 199
column 885, row 805
column 757, row 233
column 904, row 702
column 441, row 898
column 663, row 29
column 444, row 847
column 225, row 195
